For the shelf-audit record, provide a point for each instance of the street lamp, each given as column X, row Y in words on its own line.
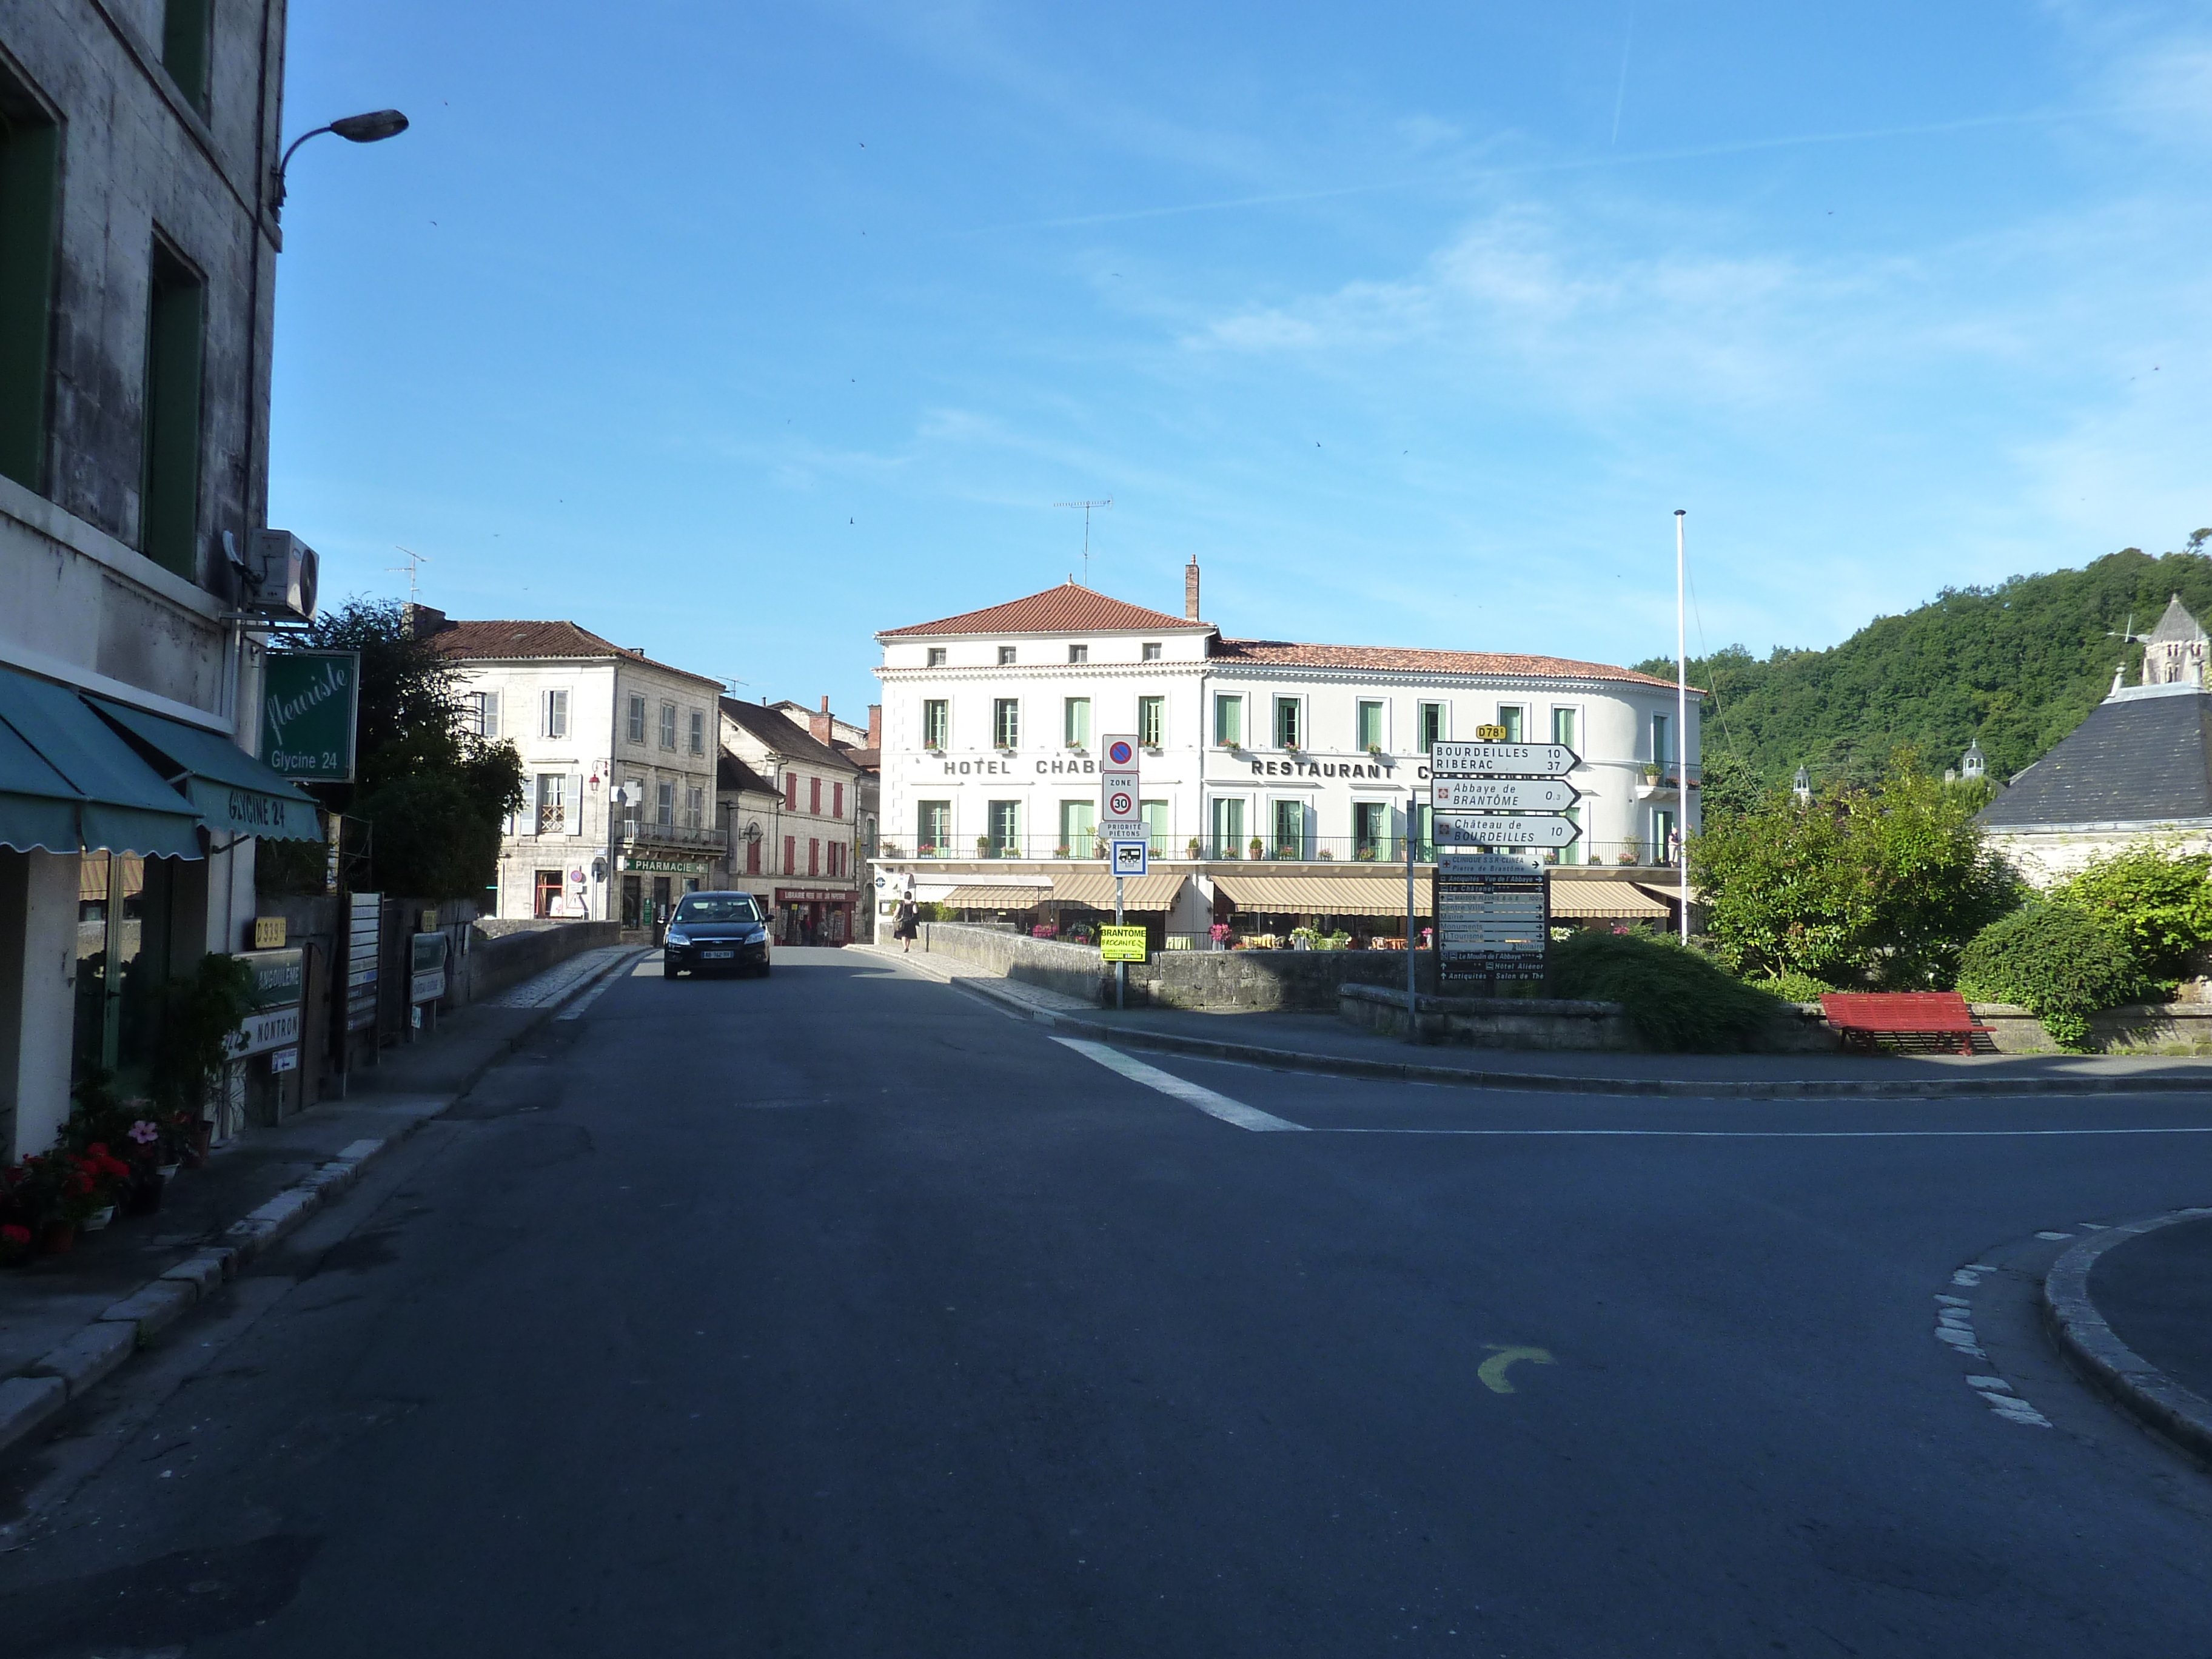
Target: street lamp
column 373, row 128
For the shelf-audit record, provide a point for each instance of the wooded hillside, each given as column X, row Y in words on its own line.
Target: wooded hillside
column 2015, row 667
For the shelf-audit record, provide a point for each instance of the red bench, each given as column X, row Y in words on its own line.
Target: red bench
column 1906, row 1019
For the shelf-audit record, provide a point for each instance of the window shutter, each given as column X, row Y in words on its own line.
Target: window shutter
column 836, row 801
column 791, row 792
column 575, row 802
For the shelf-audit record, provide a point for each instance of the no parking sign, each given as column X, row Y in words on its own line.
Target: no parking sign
column 1119, row 816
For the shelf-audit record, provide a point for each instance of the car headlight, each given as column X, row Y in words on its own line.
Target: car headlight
column 674, row 937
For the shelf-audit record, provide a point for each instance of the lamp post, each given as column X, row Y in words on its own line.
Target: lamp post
column 374, row 127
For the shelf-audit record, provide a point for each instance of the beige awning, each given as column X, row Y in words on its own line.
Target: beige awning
column 993, row 898
column 1094, row 889
column 1615, row 900
column 1321, row 895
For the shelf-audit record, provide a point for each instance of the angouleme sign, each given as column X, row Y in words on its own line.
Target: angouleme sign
column 309, row 701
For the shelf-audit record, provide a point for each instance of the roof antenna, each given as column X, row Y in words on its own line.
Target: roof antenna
column 1086, row 507
column 414, row 587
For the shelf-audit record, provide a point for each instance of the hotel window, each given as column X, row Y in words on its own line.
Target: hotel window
column 482, row 717
column 932, row 826
column 1075, row 722
column 663, row 807
column 552, row 816
column 1659, row 755
column 1371, row 727
column 1006, row 656
column 1151, row 651
column 1562, row 728
column 169, row 505
column 668, row 727
column 1287, row 733
column 1078, row 828
column 1006, row 723
column 937, row 656
column 1155, row 815
column 1431, row 726
column 1514, row 719
column 1425, row 834
column 1572, row 852
column 698, row 731
column 695, row 809
column 1371, row 830
column 553, row 715
column 636, row 719
column 1078, row 653
column 1152, row 721
column 936, row 722
column 1006, row 828
column 1228, row 722
column 1662, row 838
column 30, row 180
column 1290, row 829
column 1228, row 827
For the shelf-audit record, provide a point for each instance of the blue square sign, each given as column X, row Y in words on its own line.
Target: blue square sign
column 1130, row 858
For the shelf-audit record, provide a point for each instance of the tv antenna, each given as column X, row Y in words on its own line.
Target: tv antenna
column 1086, row 507
column 414, row 584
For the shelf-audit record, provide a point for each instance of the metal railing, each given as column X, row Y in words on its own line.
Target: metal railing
column 1356, row 851
column 647, row 832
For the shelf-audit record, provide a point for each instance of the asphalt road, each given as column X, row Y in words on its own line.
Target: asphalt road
column 841, row 1314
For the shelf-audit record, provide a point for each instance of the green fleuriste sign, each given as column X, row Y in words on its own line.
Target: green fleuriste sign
column 309, row 703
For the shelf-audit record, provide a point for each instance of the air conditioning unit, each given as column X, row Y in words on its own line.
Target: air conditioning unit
column 285, row 569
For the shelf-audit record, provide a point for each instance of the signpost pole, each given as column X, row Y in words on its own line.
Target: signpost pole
column 1681, row 848
column 1120, row 968
column 1412, row 997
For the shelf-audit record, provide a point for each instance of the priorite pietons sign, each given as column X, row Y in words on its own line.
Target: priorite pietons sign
column 309, row 703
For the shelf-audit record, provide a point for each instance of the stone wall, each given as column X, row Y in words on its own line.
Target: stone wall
column 495, row 961
column 1243, row 981
column 2142, row 1029
column 1074, row 970
column 1492, row 1021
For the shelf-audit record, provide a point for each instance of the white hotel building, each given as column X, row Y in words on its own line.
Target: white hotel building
column 1278, row 780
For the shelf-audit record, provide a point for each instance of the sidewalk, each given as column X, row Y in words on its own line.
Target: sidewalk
column 75, row 1317
column 2132, row 1309
column 1322, row 1042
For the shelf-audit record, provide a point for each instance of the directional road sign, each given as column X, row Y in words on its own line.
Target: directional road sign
column 1470, row 829
column 1504, row 795
column 1502, row 760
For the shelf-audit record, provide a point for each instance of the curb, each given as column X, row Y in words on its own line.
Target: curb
column 1549, row 1082
column 64, row 1373
column 2095, row 1350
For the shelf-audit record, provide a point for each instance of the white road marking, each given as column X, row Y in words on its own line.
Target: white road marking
column 1776, row 1134
column 1191, row 1094
column 2054, row 1236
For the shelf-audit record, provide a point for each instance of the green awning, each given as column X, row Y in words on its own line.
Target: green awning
column 68, row 783
column 237, row 793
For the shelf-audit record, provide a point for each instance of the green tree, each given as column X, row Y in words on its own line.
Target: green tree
column 2158, row 902
column 1729, row 788
column 1885, row 885
column 433, row 791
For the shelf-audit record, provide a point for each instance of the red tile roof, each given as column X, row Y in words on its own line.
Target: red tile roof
column 522, row 642
column 1067, row 608
column 1404, row 660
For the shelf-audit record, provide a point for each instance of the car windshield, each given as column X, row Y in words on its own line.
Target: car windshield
column 718, row 907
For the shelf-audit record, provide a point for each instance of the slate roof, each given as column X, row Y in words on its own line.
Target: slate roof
column 1068, row 609
column 524, row 641
column 2136, row 760
column 784, row 735
column 2176, row 624
column 733, row 776
column 1406, row 659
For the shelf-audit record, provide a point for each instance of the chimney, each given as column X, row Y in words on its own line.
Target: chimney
column 1190, row 589
column 819, row 724
column 875, row 725
column 423, row 621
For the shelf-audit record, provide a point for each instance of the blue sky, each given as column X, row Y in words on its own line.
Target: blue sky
column 739, row 332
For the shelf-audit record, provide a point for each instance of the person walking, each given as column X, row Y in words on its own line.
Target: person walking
column 908, row 924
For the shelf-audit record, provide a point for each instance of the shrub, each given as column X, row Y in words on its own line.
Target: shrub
column 1678, row 1002
column 1795, row 986
column 2158, row 904
column 2058, row 963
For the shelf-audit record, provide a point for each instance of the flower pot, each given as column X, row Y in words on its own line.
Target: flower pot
column 58, row 1239
column 98, row 1218
column 167, row 1171
column 143, row 1195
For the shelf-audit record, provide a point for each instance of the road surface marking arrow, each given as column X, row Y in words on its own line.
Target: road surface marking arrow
column 1492, row 1369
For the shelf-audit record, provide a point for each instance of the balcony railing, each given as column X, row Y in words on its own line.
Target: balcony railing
column 647, row 832
column 1359, row 852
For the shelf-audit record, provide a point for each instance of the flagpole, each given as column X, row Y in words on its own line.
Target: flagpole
column 1682, row 728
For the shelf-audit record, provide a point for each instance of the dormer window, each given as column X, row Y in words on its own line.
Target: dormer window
column 1078, row 653
column 1006, row 656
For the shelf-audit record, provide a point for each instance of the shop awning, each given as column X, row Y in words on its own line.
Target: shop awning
column 237, row 793
column 1321, row 895
column 1610, row 901
column 1094, row 889
column 69, row 784
column 993, row 898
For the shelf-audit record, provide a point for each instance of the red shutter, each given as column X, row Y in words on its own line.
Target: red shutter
column 814, row 796
column 752, row 858
column 836, row 801
column 790, row 852
column 791, row 792
column 813, row 857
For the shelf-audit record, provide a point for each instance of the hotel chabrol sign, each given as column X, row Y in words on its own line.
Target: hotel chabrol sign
column 309, row 703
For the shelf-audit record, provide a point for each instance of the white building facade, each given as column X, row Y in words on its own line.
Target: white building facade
column 1311, row 757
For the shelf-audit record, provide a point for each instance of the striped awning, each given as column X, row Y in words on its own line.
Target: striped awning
column 1094, row 889
column 69, row 783
column 1610, row 901
column 993, row 898
column 1321, row 895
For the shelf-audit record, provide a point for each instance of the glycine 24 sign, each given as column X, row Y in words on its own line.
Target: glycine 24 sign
column 310, row 700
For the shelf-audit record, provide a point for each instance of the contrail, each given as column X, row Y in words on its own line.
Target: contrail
column 1621, row 92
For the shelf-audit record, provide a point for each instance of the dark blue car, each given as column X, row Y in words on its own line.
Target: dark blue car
column 715, row 933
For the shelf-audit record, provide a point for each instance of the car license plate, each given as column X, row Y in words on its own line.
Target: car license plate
column 716, row 956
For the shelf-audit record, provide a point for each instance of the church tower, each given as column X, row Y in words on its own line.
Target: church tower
column 2173, row 654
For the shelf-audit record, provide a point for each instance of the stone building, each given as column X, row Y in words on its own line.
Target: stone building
column 805, row 847
column 138, row 276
